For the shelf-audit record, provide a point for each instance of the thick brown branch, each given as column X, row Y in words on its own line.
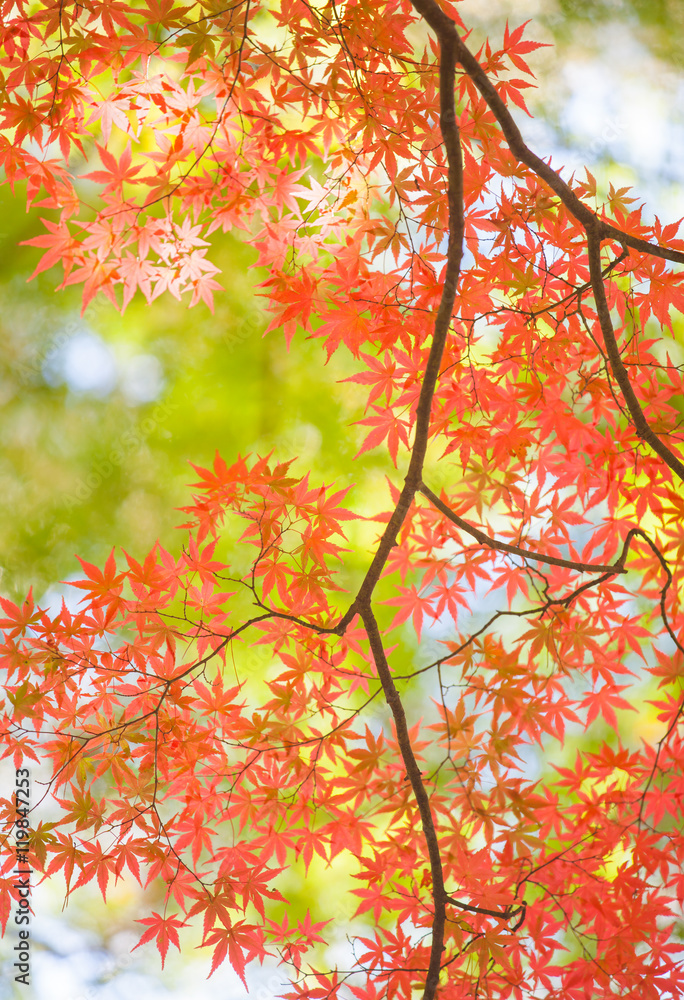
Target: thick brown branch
column 666, row 622
column 507, row 914
column 362, row 604
column 521, row 150
column 492, row 543
column 597, row 229
column 452, row 145
column 641, row 424
column 439, row 895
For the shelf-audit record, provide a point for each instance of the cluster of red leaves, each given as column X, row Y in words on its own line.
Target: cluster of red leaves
column 210, row 726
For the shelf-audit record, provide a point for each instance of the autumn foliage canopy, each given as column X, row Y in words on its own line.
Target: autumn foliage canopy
column 510, row 796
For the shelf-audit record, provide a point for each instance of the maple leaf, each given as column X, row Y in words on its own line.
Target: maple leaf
column 116, row 172
column 233, row 942
column 62, row 248
column 386, row 425
column 163, row 930
column 111, row 111
column 102, row 587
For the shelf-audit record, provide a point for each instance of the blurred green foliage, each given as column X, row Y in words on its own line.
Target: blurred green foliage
column 658, row 24
column 86, row 465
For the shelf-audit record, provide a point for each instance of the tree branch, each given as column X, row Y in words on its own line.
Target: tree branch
column 517, row 145
column 439, row 895
column 492, row 543
column 596, row 229
column 641, row 424
column 452, row 145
